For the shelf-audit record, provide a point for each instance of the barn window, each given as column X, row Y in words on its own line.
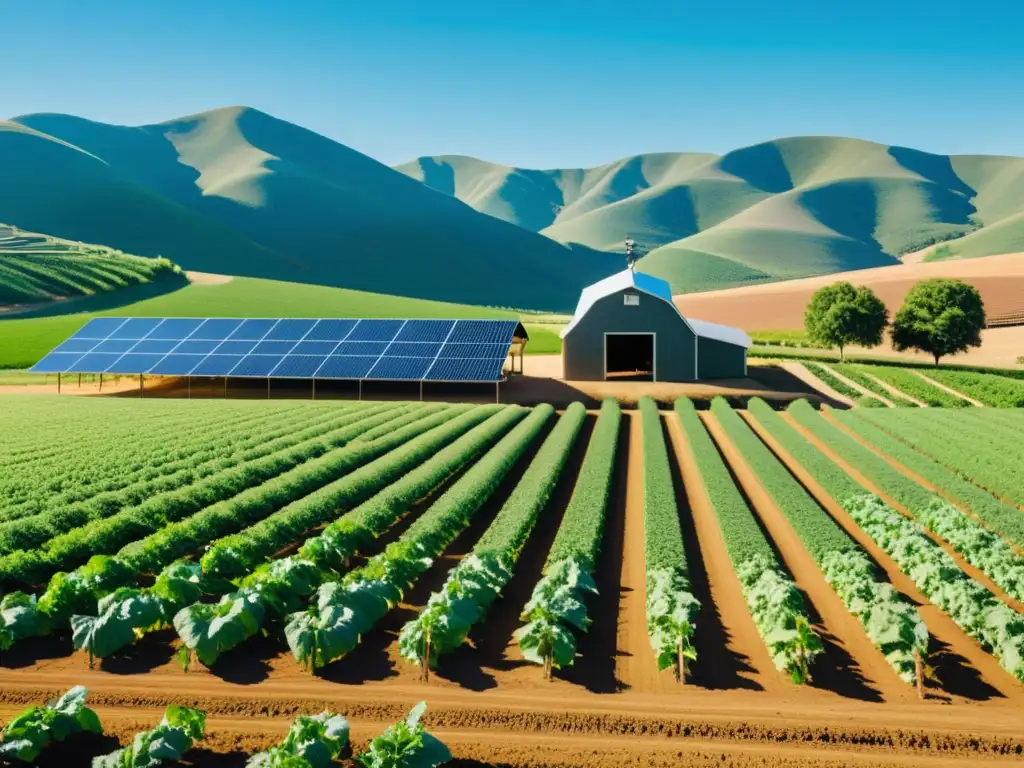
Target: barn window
column 631, row 299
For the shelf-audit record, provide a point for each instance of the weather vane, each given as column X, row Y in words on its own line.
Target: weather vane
column 633, row 252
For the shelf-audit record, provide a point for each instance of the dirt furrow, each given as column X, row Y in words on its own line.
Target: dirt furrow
column 868, row 667
column 749, row 664
column 863, row 480
column 635, row 665
column 963, row 668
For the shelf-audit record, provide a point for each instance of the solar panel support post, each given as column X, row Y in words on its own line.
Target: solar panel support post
column 314, row 389
column 268, row 387
column 189, row 380
column 360, row 389
column 421, row 390
column 58, row 383
column 142, row 387
column 225, row 386
column 101, row 382
column 497, row 392
column 79, row 381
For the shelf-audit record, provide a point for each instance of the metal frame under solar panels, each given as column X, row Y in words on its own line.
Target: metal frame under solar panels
column 402, row 350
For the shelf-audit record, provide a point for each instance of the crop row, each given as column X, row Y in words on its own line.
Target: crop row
column 828, row 376
column 671, row 607
column 993, row 624
column 345, row 610
column 124, row 612
column 166, row 454
column 981, row 547
column 999, row 516
column 972, row 454
column 273, row 588
column 996, row 391
column 32, row 531
column 557, row 606
column 861, row 376
column 909, row 383
column 473, row 585
column 889, row 621
column 298, row 469
column 774, row 602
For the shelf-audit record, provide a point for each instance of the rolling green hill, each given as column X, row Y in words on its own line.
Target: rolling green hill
column 783, row 209
column 38, row 268
column 236, row 191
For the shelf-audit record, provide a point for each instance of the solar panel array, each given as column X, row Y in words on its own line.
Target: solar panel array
column 380, row 350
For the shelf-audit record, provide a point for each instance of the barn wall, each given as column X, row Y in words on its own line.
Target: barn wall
column 720, row 360
column 675, row 343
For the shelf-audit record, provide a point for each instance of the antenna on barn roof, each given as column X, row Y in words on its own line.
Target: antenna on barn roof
column 633, row 253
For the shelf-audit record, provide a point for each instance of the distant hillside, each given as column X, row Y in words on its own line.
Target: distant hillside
column 783, row 209
column 36, row 269
column 236, row 191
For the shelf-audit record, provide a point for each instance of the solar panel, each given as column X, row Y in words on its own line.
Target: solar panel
column 372, row 349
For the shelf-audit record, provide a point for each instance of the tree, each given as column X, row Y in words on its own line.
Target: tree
column 941, row 317
column 841, row 314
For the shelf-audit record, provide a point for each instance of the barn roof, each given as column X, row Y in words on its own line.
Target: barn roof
column 658, row 288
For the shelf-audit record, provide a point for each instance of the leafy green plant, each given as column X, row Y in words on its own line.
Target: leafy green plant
column 557, row 606
column 29, row 733
column 909, row 383
column 890, row 622
column 179, row 729
column 992, row 390
column 406, row 744
column 940, row 317
column 475, row 583
column 312, row 742
column 671, row 607
column 842, row 314
column 773, row 600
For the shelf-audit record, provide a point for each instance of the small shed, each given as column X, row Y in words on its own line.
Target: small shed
column 626, row 327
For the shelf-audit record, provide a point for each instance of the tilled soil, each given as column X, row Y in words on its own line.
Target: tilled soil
column 612, row 708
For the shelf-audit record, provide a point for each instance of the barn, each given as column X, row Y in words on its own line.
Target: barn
column 627, row 327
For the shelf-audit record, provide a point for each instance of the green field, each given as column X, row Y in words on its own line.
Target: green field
column 23, row 341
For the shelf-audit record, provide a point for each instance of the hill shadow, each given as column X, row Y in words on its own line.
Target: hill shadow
column 102, row 302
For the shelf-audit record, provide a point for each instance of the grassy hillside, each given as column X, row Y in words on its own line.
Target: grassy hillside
column 782, row 209
column 236, row 191
column 23, row 341
column 38, row 268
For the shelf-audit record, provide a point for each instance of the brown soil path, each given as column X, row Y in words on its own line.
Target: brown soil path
column 949, row 390
column 867, row 660
column 807, row 376
column 635, row 665
column 964, row 669
column 860, row 478
column 741, row 637
column 862, row 389
column 958, row 503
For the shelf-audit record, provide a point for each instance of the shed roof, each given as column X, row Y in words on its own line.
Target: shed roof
column 658, row 288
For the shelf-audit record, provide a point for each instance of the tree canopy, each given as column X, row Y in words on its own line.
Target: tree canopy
column 841, row 314
column 941, row 317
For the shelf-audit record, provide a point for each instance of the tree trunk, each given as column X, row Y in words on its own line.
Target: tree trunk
column 425, row 661
column 681, row 661
column 919, row 673
column 548, row 665
column 936, row 360
column 840, row 353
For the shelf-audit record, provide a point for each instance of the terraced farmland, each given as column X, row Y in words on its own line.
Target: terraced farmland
column 565, row 588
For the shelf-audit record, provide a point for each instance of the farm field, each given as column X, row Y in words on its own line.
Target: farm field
column 576, row 587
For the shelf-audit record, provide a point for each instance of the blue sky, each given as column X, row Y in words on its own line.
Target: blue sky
column 536, row 84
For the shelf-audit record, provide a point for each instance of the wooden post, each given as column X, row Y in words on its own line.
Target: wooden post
column 142, row 387
column 58, row 383
column 79, row 381
column 101, row 382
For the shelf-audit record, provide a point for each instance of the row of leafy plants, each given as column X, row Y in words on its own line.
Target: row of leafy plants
column 557, row 608
column 828, row 376
column 979, row 546
column 860, row 375
column 31, row 531
column 994, row 391
column 671, row 607
column 473, row 585
column 1001, row 517
column 890, row 621
column 250, row 489
column 994, row 625
column 909, row 383
column 983, row 454
column 774, row 602
column 344, row 610
column 107, row 612
column 312, row 741
column 163, row 450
